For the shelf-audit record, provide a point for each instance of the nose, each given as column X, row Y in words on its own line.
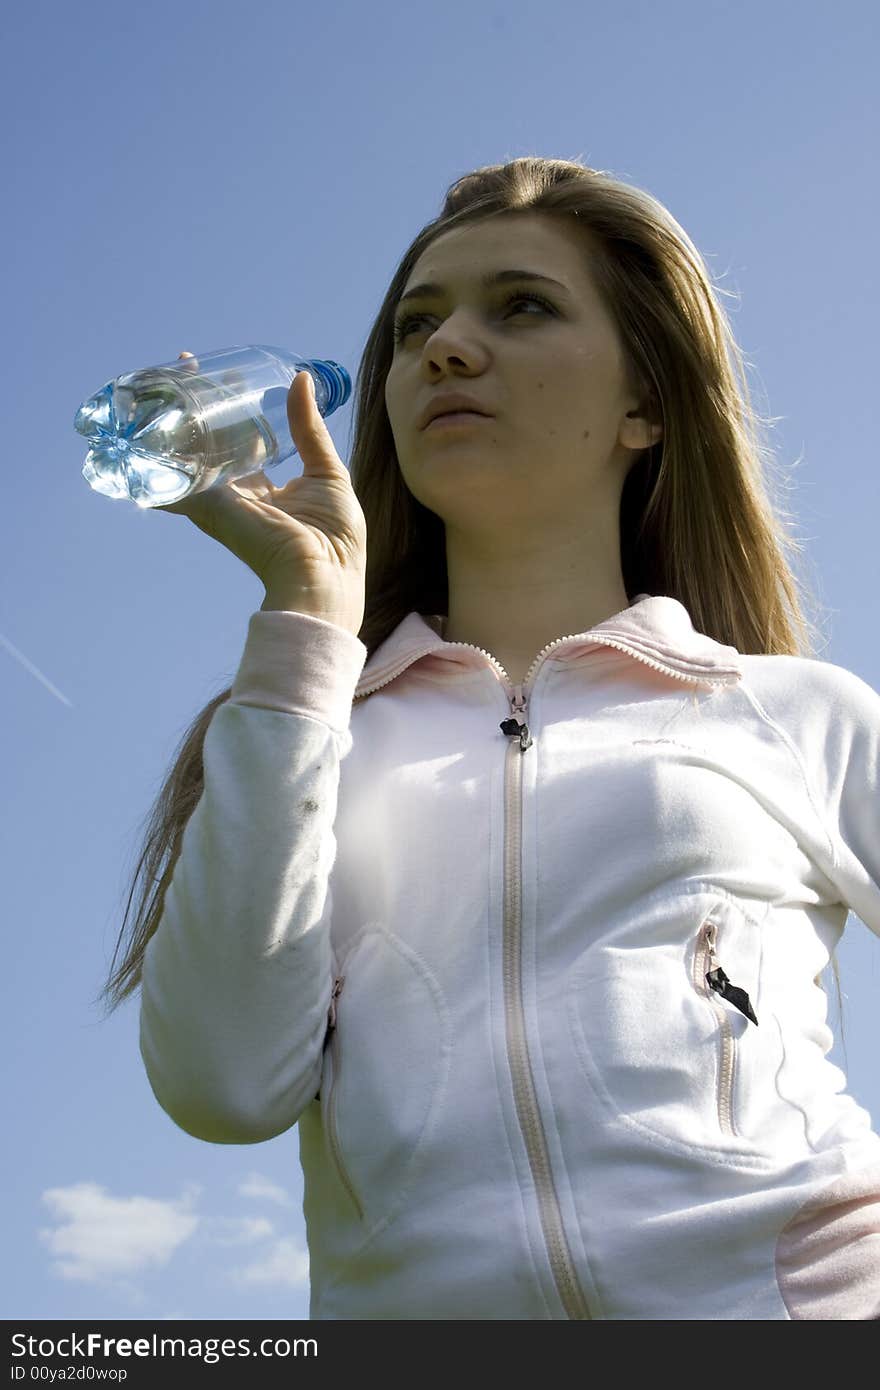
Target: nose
column 451, row 346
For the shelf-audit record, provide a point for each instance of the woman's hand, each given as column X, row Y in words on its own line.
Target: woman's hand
column 306, row 541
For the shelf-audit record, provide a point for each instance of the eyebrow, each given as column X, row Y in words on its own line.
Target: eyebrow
column 493, row 277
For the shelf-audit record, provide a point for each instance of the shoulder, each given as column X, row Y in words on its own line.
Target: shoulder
column 830, row 714
column 795, row 683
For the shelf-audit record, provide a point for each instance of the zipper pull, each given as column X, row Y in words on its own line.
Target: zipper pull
column 738, row 997
column 331, row 1016
column 518, row 725
column 717, row 980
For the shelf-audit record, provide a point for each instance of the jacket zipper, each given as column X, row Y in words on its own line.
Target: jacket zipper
column 529, row 1115
column 332, row 1133
column 711, row 982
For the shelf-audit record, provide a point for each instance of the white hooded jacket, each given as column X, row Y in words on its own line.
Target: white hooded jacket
column 534, row 968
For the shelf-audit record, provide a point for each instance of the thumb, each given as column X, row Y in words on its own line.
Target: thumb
column 311, row 436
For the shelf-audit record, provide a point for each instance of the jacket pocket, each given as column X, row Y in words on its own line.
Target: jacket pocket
column 386, row 1064
column 661, row 1011
column 335, row 1050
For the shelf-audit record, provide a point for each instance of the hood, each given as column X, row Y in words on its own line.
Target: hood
column 654, row 628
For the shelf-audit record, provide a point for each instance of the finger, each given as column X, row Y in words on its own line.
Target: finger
column 311, row 436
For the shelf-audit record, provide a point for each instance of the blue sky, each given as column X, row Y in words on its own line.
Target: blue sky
column 198, row 175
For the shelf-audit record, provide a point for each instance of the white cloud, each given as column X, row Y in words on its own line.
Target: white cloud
column 255, row 1185
column 101, row 1237
column 98, row 1237
column 285, row 1263
column 228, row 1230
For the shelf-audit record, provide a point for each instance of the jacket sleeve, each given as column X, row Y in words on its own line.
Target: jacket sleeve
column 830, row 719
column 236, row 978
column 849, row 786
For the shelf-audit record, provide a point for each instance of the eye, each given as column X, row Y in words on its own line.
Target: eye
column 402, row 327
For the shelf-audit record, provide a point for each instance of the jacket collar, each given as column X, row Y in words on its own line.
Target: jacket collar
column 655, row 629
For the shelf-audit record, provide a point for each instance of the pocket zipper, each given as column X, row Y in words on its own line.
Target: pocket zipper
column 711, row 980
column 718, row 981
column 332, row 1134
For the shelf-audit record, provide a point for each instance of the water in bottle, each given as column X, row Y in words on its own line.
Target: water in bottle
column 159, row 434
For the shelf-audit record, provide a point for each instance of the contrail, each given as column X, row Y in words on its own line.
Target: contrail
column 29, row 666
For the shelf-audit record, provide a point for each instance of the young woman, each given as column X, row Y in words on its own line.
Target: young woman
column 509, row 864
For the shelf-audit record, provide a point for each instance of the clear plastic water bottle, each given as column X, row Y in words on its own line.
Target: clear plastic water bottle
column 159, row 434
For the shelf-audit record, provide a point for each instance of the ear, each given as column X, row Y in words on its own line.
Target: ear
column 639, row 429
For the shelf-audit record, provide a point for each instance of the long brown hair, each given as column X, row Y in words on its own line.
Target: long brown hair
column 699, row 519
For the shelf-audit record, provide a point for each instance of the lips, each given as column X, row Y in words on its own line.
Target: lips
column 455, row 417
column 450, row 403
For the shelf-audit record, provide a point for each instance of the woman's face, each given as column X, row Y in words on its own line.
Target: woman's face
column 550, row 375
